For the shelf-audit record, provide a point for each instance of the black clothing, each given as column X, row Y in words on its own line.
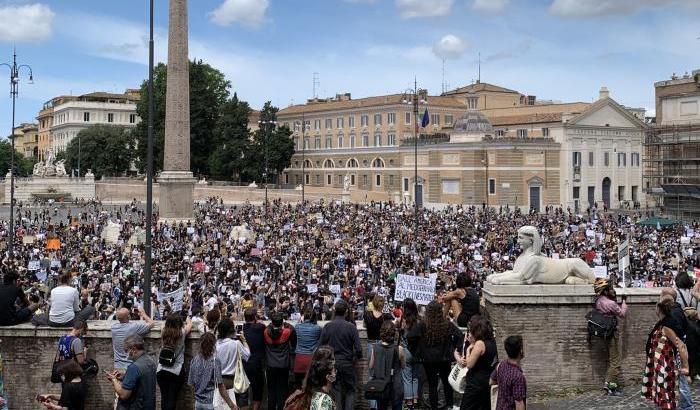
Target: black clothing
column 344, row 338
column 374, row 325
column 73, row 396
column 254, row 335
column 477, row 393
column 470, row 307
column 440, row 370
column 439, row 352
column 170, row 386
column 8, row 297
column 677, row 321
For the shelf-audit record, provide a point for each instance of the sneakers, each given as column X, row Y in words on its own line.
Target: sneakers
column 612, row 389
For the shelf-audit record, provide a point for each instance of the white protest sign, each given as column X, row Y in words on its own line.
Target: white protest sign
column 623, row 258
column 422, row 290
column 33, row 265
column 260, row 244
column 312, row 288
column 685, row 240
column 335, row 289
column 600, row 271
column 177, row 296
column 590, row 233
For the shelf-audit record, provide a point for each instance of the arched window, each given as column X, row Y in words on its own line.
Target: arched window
column 352, row 163
column 308, row 164
column 328, row 164
column 378, row 163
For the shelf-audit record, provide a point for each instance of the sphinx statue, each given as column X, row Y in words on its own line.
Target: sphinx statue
column 532, row 267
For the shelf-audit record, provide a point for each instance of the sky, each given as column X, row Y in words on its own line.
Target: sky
column 562, row 50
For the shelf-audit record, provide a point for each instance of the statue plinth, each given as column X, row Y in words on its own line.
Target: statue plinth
column 176, row 196
column 345, row 198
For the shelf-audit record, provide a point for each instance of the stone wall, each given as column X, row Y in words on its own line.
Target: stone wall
column 28, row 353
column 551, row 320
column 74, row 188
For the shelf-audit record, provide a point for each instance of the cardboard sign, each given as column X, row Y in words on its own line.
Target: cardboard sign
column 33, row 265
column 312, row 288
column 600, row 271
column 28, row 239
column 177, row 296
column 335, row 289
column 421, row 290
column 53, row 244
column 685, row 240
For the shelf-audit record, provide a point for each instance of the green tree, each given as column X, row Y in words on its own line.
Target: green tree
column 231, row 139
column 106, row 149
column 273, row 146
column 23, row 166
column 209, row 91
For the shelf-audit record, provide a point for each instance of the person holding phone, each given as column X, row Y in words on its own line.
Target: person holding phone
column 229, row 345
column 73, row 390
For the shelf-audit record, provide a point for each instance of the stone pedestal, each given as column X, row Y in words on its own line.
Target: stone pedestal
column 176, row 198
column 345, row 198
column 56, row 188
column 551, row 320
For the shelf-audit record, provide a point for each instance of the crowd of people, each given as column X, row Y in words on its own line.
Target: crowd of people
column 294, row 265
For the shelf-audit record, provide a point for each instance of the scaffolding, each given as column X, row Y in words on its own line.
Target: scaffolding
column 671, row 171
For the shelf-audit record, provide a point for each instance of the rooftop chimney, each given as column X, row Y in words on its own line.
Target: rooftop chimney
column 603, row 93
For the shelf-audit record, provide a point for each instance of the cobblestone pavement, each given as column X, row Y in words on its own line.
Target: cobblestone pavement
column 631, row 400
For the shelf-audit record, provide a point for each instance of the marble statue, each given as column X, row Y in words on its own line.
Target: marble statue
column 532, row 267
column 346, row 182
column 61, row 168
column 38, row 169
column 50, row 167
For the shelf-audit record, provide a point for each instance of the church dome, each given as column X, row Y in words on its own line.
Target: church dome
column 473, row 122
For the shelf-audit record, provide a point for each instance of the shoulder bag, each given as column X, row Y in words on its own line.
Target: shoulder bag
column 240, row 379
column 458, row 374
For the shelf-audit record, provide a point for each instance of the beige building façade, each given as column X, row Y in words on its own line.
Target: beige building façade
column 484, row 145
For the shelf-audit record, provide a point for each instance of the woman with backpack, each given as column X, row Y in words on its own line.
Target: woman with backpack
column 480, row 357
column 205, row 375
column 688, row 292
column 437, row 341
column 171, row 358
column 386, row 360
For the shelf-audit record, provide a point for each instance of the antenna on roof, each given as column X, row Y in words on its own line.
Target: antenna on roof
column 443, row 75
column 479, row 77
column 317, row 83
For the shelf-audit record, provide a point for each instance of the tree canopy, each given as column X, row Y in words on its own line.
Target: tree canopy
column 106, row 149
column 23, row 166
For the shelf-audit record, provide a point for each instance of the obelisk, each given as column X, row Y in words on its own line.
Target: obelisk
column 176, row 181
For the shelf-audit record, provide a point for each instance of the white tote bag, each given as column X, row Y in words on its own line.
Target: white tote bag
column 458, row 374
column 240, row 379
column 220, row 403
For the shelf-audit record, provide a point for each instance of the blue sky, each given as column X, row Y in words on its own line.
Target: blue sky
column 269, row 49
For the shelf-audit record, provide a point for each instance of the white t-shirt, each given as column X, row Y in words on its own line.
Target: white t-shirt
column 65, row 301
column 227, row 352
column 212, row 302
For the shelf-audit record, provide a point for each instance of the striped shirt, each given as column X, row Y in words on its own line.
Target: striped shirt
column 204, row 377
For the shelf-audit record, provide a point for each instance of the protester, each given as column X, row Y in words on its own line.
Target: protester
column 688, row 291
column 254, row 333
column 315, row 394
column 70, row 346
column 170, row 375
column 409, row 336
column 679, row 324
column 508, row 376
column 663, row 344
column 231, row 347
column 64, row 306
column 386, row 361
column 606, row 303
column 122, row 330
column 136, row 388
column 480, row 358
column 10, row 293
column 205, row 375
column 344, row 338
column 73, row 389
column 280, row 344
column 308, row 339
column 438, row 339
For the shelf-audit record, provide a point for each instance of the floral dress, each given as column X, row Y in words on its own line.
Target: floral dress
column 322, row 401
column 659, row 383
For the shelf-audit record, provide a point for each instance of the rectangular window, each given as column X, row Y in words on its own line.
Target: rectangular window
column 378, row 180
column 492, row 186
column 606, row 159
column 352, row 141
column 435, row 119
column 635, row 159
column 364, row 180
column 391, row 180
column 621, row 192
column 577, row 159
column 318, row 179
column 329, row 123
column 306, row 143
column 317, row 143
column 500, row 133
column 635, row 191
column 351, row 121
column 472, row 102
column 329, row 142
column 391, row 118
column 86, row 116
column 377, row 119
column 405, row 184
column 408, row 118
column 365, row 140
column 545, row 132
column 590, row 159
column 329, row 179
column 307, row 125
column 522, row 133
column 577, row 192
column 448, row 119
column 110, row 117
column 364, row 120
column 339, row 123
column 377, row 140
column 317, row 124
column 450, row 186
column 392, row 140
column 621, row 159
column 307, row 177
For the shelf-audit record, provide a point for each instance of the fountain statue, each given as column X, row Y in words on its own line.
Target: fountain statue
column 532, row 267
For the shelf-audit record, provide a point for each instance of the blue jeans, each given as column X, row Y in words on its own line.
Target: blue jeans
column 372, row 403
column 685, row 401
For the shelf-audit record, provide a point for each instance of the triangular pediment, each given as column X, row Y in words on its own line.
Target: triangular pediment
column 607, row 112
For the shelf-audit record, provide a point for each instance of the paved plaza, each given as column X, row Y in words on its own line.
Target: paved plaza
column 631, row 400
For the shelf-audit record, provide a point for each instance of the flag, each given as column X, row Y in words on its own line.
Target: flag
column 426, row 119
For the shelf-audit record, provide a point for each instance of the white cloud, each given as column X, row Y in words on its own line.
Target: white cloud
column 31, row 22
column 490, row 6
column 423, row 8
column 417, row 53
column 450, row 47
column 246, row 12
column 590, row 8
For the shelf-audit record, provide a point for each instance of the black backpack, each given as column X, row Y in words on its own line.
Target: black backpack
column 167, row 356
column 380, row 387
column 600, row 325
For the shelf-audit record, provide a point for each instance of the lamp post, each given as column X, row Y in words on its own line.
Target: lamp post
column 265, row 125
column 485, row 161
column 413, row 97
column 303, row 156
column 14, row 90
column 149, row 176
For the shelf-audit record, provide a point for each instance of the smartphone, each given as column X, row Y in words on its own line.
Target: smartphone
column 239, row 328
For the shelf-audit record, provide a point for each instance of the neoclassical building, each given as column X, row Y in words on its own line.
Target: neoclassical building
column 484, row 145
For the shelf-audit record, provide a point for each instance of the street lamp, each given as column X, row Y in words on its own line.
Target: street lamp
column 14, row 90
column 303, row 155
column 265, row 125
column 149, row 175
column 414, row 97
